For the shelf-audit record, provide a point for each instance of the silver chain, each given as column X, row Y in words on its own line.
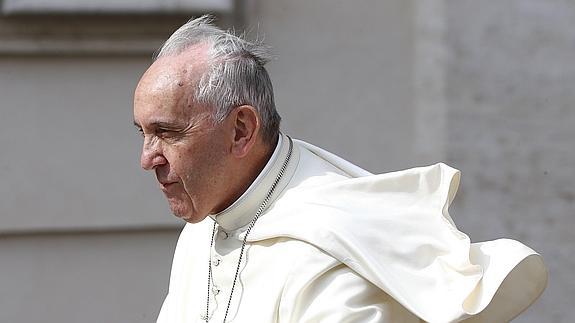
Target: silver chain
column 251, row 225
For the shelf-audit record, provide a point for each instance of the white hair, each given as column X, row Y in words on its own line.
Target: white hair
column 235, row 75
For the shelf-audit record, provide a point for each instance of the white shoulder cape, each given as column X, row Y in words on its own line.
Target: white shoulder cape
column 395, row 231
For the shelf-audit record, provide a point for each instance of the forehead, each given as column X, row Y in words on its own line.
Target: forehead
column 165, row 91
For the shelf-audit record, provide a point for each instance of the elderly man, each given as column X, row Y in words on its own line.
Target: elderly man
column 282, row 231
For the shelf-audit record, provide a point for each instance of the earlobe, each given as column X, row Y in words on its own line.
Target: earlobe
column 246, row 128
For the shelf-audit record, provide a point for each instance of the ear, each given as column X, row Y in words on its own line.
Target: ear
column 246, row 126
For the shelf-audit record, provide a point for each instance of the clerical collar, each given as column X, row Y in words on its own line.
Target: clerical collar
column 241, row 212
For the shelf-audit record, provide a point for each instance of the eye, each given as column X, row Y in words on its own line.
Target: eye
column 167, row 134
column 163, row 132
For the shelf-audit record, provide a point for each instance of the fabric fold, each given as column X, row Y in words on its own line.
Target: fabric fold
column 394, row 230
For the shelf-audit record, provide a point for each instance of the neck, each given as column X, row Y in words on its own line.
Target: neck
column 242, row 211
column 248, row 170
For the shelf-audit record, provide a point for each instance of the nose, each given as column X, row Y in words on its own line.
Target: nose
column 152, row 156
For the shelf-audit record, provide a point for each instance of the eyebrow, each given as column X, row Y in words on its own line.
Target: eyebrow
column 158, row 124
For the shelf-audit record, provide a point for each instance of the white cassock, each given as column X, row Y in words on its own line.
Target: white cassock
column 338, row 244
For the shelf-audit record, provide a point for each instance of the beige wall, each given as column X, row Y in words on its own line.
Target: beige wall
column 86, row 236
column 343, row 76
column 88, row 277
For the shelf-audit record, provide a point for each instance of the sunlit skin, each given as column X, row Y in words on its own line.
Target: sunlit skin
column 201, row 166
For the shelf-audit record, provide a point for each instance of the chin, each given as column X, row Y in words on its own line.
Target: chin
column 192, row 219
column 186, row 214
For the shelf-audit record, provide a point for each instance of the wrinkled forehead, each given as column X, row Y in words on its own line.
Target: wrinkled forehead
column 175, row 73
column 168, row 86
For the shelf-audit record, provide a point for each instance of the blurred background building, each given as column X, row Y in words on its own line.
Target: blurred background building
column 488, row 87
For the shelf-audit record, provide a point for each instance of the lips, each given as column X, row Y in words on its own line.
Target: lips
column 164, row 181
column 164, row 186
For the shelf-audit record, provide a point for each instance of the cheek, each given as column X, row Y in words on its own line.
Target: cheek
column 176, row 159
column 187, row 168
column 199, row 166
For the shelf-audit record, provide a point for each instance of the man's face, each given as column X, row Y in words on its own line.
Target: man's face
column 182, row 145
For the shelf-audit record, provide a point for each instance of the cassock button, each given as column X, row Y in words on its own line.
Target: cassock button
column 216, row 261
